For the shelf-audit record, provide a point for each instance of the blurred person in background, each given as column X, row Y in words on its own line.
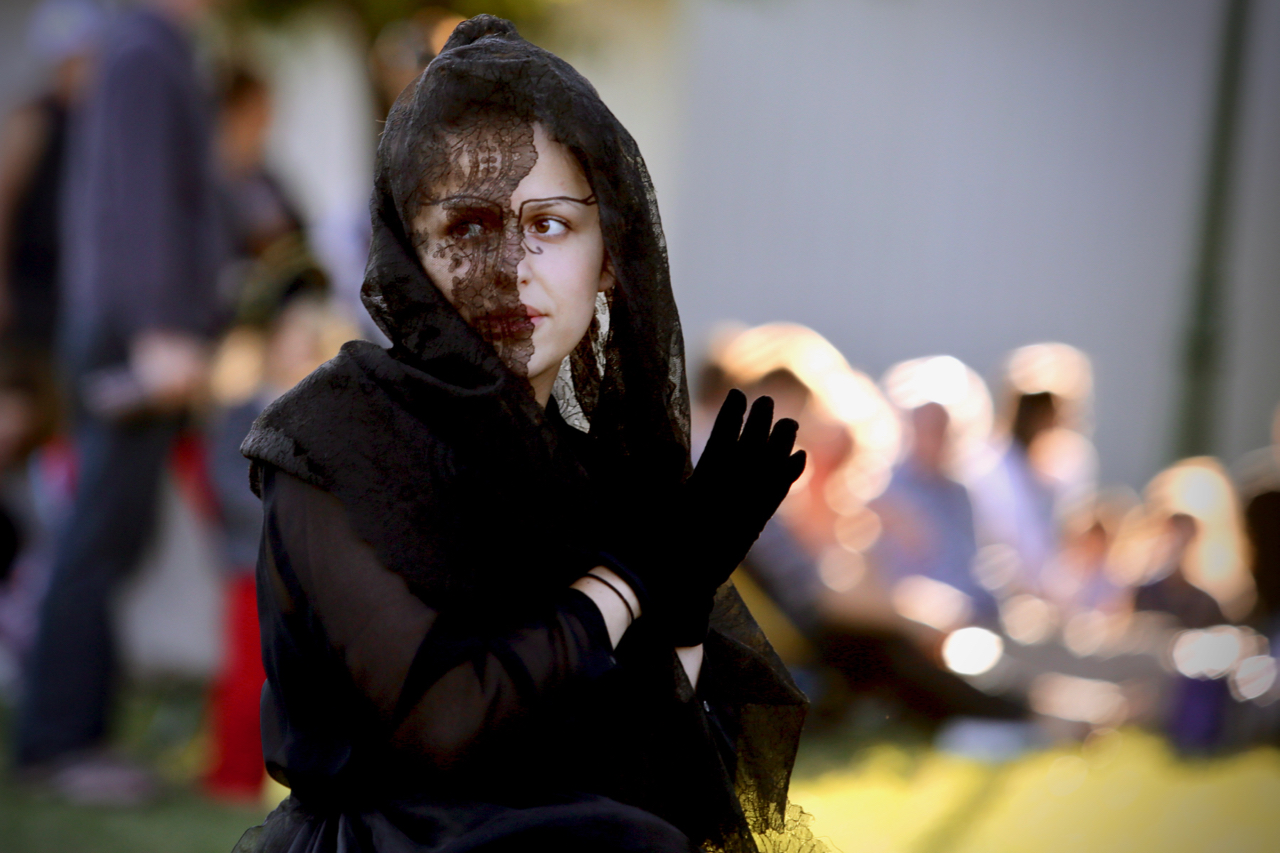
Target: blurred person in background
column 142, row 245
column 873, row 651
column 297, row 327
column 1196, row 710
column 1044, row 469
column 927, row 518
column 260, row 220
column 1014, row 502
column 282, row 332
column 820, row 600
column 404, row 47
column 1170, row 591
column 28, row 417
column 62, row 36
column 1080, row 577
column 1259, row 721
column 1262, row 522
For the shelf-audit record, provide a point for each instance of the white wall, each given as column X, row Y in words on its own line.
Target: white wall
column 920, row 176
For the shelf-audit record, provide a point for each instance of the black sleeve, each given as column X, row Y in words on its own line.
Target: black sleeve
column 438, row 687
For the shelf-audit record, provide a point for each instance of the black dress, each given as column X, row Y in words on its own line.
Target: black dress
column 506, row 733
column 433, row 682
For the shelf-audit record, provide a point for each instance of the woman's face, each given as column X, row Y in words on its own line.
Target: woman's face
column 512, row 238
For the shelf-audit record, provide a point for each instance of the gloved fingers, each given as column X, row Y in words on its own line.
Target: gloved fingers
column 756, row 432
column 783, row 438
column 724, row 433
column 795, row 467
column 784, row 474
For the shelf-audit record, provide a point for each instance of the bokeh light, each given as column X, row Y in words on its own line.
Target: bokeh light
column 972, row 651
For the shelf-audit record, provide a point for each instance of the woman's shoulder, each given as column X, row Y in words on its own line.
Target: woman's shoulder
column 344, row 416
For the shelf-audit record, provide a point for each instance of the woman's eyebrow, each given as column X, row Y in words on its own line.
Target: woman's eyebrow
column 460, row 200
column 552, row 200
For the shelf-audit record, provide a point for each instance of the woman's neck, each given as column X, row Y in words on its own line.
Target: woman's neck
column 542, row 386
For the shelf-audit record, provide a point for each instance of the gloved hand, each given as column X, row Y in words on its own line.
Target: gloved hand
column 677, row 564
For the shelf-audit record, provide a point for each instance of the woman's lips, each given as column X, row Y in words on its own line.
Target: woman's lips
column 506, row 325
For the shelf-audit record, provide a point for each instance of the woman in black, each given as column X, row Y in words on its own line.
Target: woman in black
column 491, row 592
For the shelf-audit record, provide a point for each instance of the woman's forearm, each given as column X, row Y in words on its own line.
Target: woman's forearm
column 617, row 602
column 609, row 598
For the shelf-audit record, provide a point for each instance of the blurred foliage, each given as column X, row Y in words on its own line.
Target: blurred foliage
column 376, row 14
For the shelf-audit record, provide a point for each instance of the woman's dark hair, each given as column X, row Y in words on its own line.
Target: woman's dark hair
column 1032, row 415
column 1262, row 521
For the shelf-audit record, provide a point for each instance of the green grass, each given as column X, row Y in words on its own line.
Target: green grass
column 181, row 822
column 161, row 723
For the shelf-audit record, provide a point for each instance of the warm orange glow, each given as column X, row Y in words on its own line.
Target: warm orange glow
column 840, row 392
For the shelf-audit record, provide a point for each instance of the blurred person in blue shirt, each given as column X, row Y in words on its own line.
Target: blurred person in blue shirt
column 927, row 517
column 142, row 246
column 1014, row 502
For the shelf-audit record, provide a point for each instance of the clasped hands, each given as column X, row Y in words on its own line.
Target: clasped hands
column 677, row 548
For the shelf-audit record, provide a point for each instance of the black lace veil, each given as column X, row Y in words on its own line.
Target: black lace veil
column 627, row 376
column 449, row 405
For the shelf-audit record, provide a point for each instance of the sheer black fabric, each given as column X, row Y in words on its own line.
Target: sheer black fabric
column 433, row 683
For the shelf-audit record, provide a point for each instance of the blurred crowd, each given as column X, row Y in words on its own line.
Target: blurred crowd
column 157, row 291
column 949, row 556
column 953, row 560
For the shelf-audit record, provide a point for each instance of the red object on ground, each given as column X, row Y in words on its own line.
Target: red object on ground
column 189, row 462
column 237, row 770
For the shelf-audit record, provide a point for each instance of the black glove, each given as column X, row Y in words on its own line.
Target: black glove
column 681, row 553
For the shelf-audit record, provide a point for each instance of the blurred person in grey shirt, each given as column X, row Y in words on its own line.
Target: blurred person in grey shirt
column 142, row 248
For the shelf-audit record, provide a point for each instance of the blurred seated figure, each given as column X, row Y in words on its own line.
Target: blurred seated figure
column 823, row 606
column 1047, row 467
column 926, row 517
column 1197, row 708
column 1262, row 522
column 1172, row 592
column 1013, row 501
column 1258, row 717
column 1080, row 580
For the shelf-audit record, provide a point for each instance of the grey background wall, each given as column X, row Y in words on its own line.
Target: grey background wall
column 927, row 176
column 921, row 176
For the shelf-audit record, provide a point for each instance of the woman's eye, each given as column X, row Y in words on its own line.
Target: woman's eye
column 547, row 227
column 467, row 229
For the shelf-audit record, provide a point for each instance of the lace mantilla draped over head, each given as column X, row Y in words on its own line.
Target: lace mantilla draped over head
column 464, row 129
